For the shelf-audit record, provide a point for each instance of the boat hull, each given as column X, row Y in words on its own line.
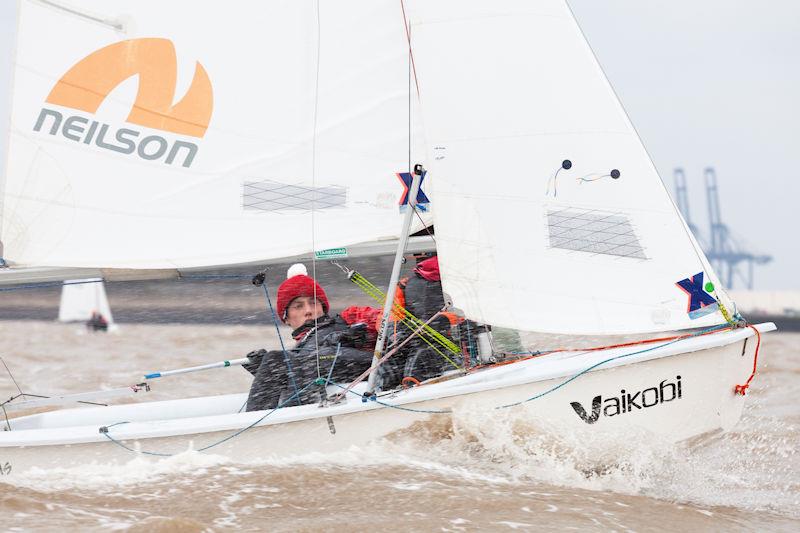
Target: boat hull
column 645, row 395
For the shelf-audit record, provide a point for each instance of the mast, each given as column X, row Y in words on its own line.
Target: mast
column 398, row 260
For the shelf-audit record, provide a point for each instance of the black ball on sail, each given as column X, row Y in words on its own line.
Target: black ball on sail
column 566, row 164
column 615, row 174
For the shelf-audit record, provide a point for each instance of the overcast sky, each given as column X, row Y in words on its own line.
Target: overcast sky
column 706, row 83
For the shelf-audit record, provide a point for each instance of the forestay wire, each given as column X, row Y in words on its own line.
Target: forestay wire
column 314, row 190
column 289, row 368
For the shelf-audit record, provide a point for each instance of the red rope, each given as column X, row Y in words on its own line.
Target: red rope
column 644, row 341
column 598, row 348
column 410, row 52
column 742, row 389
column 409, row 381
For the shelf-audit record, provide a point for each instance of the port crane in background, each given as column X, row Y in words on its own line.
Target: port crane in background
column 682, row 199
column 727, row 255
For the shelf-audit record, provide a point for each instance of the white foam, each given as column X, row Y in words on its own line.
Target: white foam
column 513, row 525
column 751, row 468
column 139, row 470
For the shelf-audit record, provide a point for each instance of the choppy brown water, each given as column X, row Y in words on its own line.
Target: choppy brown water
column 474, row 474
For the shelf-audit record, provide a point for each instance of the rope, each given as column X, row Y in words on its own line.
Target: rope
column 742, row 389
column 12, row 377
column 540, row 353
column 427, row 228
column 280, row 338
column 388, row 355
column 410, row 51
column 335, row 357
column 590, row 368
column 314, row 186
column 399, row 407
column 409, row 379
column 45, row 285
column 195, row 277
column 739, row 389
column 201, row 277
column 428, row 335
column 204, row 448
column 407, row 318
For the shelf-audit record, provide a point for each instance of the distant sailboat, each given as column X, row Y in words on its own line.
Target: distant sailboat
column 85, row 300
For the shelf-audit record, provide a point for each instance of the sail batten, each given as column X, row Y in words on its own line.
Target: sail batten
column 17, row 275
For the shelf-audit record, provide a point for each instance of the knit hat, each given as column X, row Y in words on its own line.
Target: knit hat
column 429, row 269
column 299, row 284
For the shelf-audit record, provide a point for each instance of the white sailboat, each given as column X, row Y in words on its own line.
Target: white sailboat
column 85, row 301
column 283, row 141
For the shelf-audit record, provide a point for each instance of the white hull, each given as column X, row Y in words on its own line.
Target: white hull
column 709, row 366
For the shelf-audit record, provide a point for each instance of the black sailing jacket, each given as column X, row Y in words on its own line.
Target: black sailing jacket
column 272, row 384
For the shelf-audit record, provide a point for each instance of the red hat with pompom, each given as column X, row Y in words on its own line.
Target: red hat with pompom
column 298, row 284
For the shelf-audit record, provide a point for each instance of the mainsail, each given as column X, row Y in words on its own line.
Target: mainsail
column 549, row 215
column 140, row 140
column 134, row 129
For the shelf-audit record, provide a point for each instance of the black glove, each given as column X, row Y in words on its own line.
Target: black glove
column 355, row 336
column 255, row 360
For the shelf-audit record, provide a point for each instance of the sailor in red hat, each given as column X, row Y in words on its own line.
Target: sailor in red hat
column 322, row 343
column 300, row 298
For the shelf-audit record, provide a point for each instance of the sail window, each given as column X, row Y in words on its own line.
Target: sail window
column 593, row 231
column 275, row 196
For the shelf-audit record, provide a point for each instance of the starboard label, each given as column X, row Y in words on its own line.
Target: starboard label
column 331, row 253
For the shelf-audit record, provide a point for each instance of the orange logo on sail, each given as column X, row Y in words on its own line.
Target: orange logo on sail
column 89, row 82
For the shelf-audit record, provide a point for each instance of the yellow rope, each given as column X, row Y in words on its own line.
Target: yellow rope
column 428, row 334
column 412, row 323
column 409, row 319
column 725, row 313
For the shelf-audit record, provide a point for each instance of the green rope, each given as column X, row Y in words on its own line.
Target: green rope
column 428, row 334
column 323, row 381
column 297, row 394
column 590, row 368
column 392, row 406
column 379, row 295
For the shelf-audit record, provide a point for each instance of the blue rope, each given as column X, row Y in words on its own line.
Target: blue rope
column 43, row 285
column 229, row 437
column 47, row 284
column 199, row 277
column 319, row 381
column 585, row 370
column 283, row 347
column 335, row 357
column 409, row 409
